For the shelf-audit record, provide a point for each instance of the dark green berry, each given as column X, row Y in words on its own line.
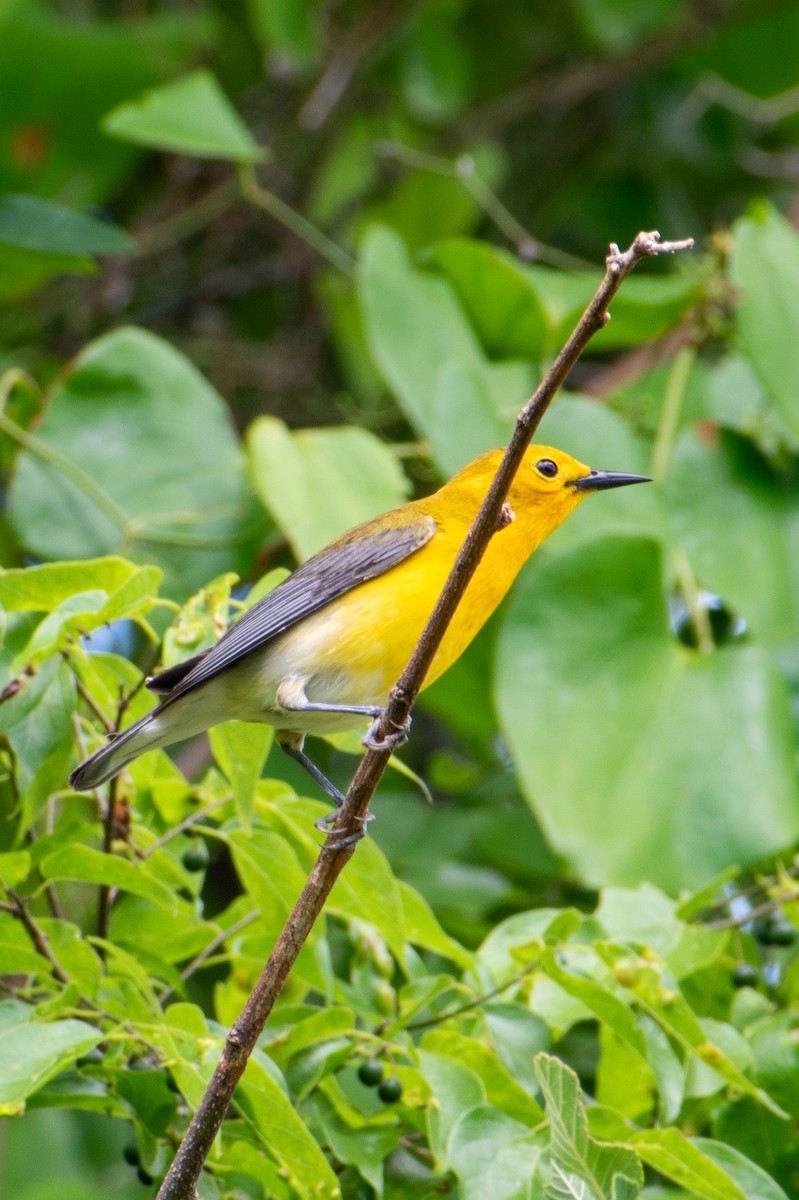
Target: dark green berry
column 172, row 1084
column 390, row 1090
column 196, row 857
column 370, row 1072
column 777, row 932
column 131, row 1154
column 144, row 1177
column 745, row 975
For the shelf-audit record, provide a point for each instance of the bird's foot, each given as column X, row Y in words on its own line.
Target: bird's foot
column 391, row 741
column 326, row 824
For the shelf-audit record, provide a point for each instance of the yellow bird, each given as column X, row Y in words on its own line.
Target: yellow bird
column 321, row 652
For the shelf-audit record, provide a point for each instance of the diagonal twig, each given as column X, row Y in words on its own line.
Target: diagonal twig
column 182, row 1176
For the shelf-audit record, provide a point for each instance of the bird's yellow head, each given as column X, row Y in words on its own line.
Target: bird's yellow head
column 547, row 488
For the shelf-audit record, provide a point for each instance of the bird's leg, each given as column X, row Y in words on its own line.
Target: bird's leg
column 292, row 744
column 290, row 695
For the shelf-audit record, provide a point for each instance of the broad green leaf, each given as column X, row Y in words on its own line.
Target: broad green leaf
column 600, row 999
column 131, row 398
column 86, row 865
column 284, row 1134
column 318, row 483
column 493, row 1155
column 674, row 1155
column 425, row 347
column 750, row 1178
column 16, row 949
column 84, row 612
column 501, row 301
column 639, row 915
column 43, row 111
column 672, row 742
column 578, row 1157
column 738, row 522
column 502, row 1089
column 645, row 308
column 14, row 867
column 35, row 224
column 32, row 1052
column 366, row 1148
column 764, row 266
column 191, row 115
column 414, row 324
column 518, row 1036
column 423, row 929
column 456, row 1088
column 249, row 1163
column 464, row 420
column 37, row 722
column 240, row 749
column 320, row 1026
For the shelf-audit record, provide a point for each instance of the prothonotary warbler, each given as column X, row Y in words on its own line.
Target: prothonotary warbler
column 321, row 652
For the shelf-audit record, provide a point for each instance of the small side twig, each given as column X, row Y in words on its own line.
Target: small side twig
column 182, row 1176
column 476, row 1001
column 38, row 937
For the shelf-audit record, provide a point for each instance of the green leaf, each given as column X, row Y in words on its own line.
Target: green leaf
column 283, row 1132
column 672, row 1154
column 502, row 1089
column 16, row 950
column 414, row 324
column 500, row 300
column 130, row 398
column 191, row 115
column 86, row 611
column 518, row 1036
column 366, row 1148
column 423, row 929
column 456, row 1088
column 577, row 1158
column 34, row 224
column 32, row 1052
column 87, row 865
column 764, row 266
column 729, row 508
column 751, row 1179
column 493, row 1155
column 318, row 483
column 14, row 867
column 37, row 722
column 240, row 749
column 672, row 742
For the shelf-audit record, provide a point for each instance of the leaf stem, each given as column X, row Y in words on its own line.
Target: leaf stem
column 670, row 413
column 296, row 222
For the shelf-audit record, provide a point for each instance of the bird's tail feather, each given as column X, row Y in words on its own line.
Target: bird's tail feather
column 109, row 759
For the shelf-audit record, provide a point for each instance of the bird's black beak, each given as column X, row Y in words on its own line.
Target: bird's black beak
column 597, row 481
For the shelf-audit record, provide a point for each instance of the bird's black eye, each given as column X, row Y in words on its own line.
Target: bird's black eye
column 547, row 468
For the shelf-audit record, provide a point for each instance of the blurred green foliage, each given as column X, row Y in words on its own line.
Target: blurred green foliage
column 266, row 269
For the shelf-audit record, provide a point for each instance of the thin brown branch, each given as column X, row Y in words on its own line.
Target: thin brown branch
column 181, row 1179
column 476, row 1001
column 107, row 892
column 210, row 949
column 356, row 45
column 752, row 914
column 37, row 936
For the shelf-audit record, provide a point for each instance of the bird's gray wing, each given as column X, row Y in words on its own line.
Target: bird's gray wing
column 365, row 552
